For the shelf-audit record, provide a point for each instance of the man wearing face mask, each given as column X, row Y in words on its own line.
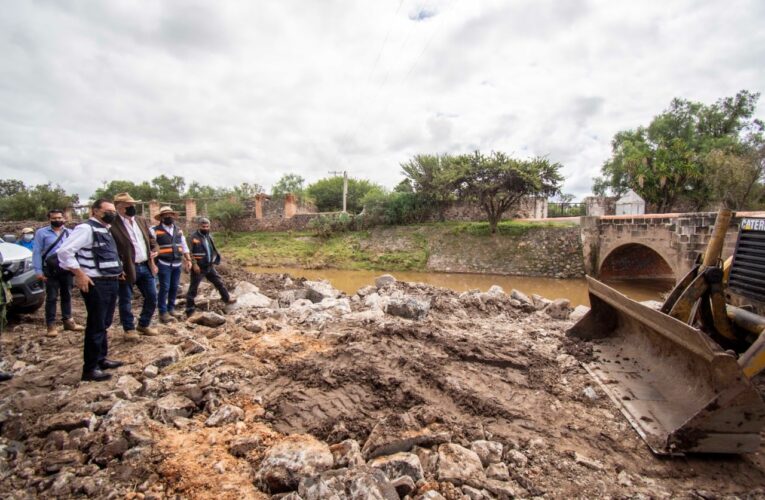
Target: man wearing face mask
column 137, row 249
column 27, row 239
column 206, row 257
column 173, row 254
column 47, row 241
column 90, row 253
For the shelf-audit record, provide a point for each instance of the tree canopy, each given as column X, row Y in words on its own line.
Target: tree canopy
column 288, row 183
column 327, row 193
column 20, row 202
column 690, row 155
column 498, row 182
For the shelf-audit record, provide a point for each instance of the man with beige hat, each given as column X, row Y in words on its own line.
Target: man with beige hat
column 173, row 253
column 137, row 249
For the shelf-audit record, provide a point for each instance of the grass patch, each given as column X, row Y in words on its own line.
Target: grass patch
column 342, row 251
column 504, row 228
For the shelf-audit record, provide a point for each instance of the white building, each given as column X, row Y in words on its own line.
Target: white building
column 630, row 204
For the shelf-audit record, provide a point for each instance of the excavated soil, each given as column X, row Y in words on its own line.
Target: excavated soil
column 481, row 366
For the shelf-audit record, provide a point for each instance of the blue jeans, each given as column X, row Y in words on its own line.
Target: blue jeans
column 59, row 285
column 100, row 300
column 147, row 285
column 169, row 277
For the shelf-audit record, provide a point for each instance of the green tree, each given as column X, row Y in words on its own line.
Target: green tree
column 200, row 191
column 498, row 183
column 328, row 193
column 9, row 187
column 289, row 183
column 226, row 211
column 140, row 191
column 673, row 159
column 433, row 177
column 246, row 190
column 169, row 189
column 34, row 202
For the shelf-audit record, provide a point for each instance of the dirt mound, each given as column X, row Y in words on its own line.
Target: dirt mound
column 196, row 410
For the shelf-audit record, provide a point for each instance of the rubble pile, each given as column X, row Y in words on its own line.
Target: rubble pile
column 298, row 391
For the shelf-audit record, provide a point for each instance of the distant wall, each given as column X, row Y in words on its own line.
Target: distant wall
column 544, row 251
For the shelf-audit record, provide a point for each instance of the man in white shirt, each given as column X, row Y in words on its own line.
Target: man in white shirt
column 137, row 249
column 90, row 253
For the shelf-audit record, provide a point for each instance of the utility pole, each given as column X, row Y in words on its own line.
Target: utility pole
column 345, row 186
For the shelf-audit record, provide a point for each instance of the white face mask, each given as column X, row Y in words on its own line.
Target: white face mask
column 27, row 237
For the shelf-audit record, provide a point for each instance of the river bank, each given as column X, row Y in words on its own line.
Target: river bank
column 522, row 248
column 398, row 389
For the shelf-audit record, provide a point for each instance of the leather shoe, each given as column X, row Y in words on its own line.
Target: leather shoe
column 96, row 375
column 108, row 364
column 5, row 376
column 148, row 330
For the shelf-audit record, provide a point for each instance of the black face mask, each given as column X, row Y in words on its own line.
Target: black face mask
column 204, row 231
column 130, row 211
column 108, row 217
column 57, row 223
column 168, row 221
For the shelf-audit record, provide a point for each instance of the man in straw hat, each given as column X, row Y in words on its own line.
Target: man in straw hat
column 137, row 249
column 173, row 254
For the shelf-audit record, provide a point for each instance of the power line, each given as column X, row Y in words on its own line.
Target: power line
column 385, row 41
column 427, row 44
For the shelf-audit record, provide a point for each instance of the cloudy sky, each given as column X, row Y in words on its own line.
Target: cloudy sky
column 225, row 92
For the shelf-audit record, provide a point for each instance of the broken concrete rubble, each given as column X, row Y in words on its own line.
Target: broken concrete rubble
column 482, row 392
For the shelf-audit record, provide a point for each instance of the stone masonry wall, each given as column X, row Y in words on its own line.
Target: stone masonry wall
column 545, row 251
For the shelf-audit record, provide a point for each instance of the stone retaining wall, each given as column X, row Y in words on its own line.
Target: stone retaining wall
column 545, row 251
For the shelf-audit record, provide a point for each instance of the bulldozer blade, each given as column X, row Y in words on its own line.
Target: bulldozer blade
column 678, row 389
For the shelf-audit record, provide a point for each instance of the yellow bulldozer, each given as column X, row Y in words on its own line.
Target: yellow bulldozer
column 682, row 375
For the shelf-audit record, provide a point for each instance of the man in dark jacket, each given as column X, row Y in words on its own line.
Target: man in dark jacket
column 137, row 249
column 204, row 259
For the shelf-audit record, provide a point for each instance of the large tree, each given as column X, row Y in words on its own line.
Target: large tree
column 327, row 193
column 498, row 182
column 677, row 158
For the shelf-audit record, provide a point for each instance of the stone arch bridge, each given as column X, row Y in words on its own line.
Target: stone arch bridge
column 651, row 246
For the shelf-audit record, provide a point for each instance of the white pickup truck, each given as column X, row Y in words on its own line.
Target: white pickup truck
column 28, row 292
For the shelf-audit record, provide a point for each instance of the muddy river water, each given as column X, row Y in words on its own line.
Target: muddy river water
column 573, row 289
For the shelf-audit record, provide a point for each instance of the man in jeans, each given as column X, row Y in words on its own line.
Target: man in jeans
column 137, row 249
column 205, row 258
column 47, row 241
column 90, row 253
column 173, row 253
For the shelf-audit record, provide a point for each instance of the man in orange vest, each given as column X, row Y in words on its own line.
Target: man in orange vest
column 173, row 255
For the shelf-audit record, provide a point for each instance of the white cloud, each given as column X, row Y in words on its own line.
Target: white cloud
column 230, row 92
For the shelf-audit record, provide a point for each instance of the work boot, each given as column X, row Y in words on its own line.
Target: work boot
column 132, row 335
column 108, row 364
column 231, row 300
column 70, row 325
column 176, row 314
column 52, row 331
column 149, row 331
column 166, row 318
column 95, row 375
column 5, row 376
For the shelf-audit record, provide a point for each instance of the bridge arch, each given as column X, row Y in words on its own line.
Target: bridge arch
column 635, row 261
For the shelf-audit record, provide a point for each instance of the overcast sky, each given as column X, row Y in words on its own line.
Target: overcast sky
column 225, row 92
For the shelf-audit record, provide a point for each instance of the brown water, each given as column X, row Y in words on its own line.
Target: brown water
column 573, row 289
